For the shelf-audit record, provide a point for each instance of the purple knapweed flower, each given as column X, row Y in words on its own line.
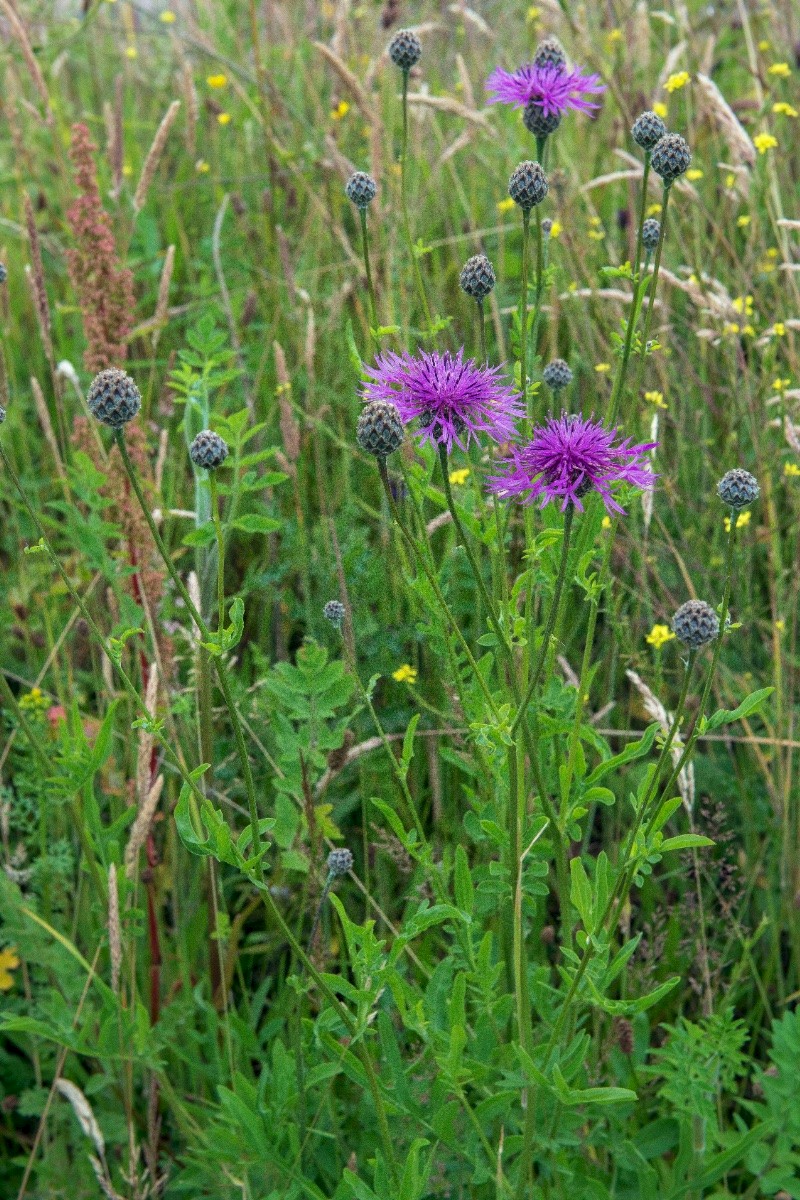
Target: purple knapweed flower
column 568, row 457
column 555, row 88
column 453, row 399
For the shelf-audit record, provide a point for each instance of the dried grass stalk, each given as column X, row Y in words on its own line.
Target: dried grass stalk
column 290, row 430
column 114, row 929
column 657, row 712
column 47, row 426
column 31, row 62
column 37, row 281
column 717, row 108
column 154, row 155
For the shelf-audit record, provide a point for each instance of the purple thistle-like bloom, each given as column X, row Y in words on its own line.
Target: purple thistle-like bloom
column 568, row 457
column 555, row 88
column 451, row 397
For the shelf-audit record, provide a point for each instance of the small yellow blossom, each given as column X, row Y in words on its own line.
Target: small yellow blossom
column 597, row 235
column 660, row 109
column 791, row 470
column 606, row 523
column 772, row 252
column 533, row 13
column 749, row 330
column 781, row 70
column 602, row 368
column 460, row 476
column 783, row 109
column 656, row 398
column 167, row 16
column 744, row 220
column 764, row 45
column 555, row 229
column 694, row 174
column 730, row 179
column 742, row 520
column 613, row 35
column 658, row 635
column 8, row 963
column 131, row 52
column 594, row 220
column 506, row 205
column 34, row 700
column 202, row 167
column 743, row 304
column 779, row 329
column 654, row 210
column 341, row 110
column 780, row 385
column 223, row 118
column 693, row 279
column 780, row 625
column 405, row 674
column 731, row 327
column 764, row 142
column 676, row 82
column 217, row 81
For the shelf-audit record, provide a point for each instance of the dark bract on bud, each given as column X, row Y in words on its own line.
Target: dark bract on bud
column 208, row 450
column 550, row 53
column 738, row 488
column 651, row 232
column 339, row 862
column 671, row 158
column 695, row 624
column 477, row 277
column 557, row 374
column 538, row 122
column 380, row 429
column 334, row 612
column 405, row 49
column 647, row 130
column 113, row 398
column 361, row 189
column 527, row 186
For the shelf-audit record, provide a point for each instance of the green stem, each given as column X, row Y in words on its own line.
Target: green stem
column 482, row 332
column 523, row 314
column 373, row 307
column 652, row 295
column 404, row 206
column 222, row 676
column 220, row 552
column 552, row 617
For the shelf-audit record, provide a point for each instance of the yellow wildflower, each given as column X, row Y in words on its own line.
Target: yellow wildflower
column 341, row 110
column 597, row 235
column 742, row 520
column 8, row 963
column 533, row 13
column 791, row 470
column 743, row 304
column 613, row 35
column 658, row 635
column 780, row 625
column 405, row 674
column 781, row 70
column 676, row 82
column 556, row 229
column 131, row 52
column 660, row 109
column 167, row 16
column 656, row 398
column 764, row 45
column 731, row 327
column 749, row 330
column 223, row 118
column 780, row 385
column 764, row 142
column 730, row 179
column 779, row 329
column 744, row 220
column 605, row 523
column 784, row 109
column 202, row 167
column 694, row 174
column 460, row 476
column 602, row 368
column 506, row 205
column 654, row 210
column 217, row 81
